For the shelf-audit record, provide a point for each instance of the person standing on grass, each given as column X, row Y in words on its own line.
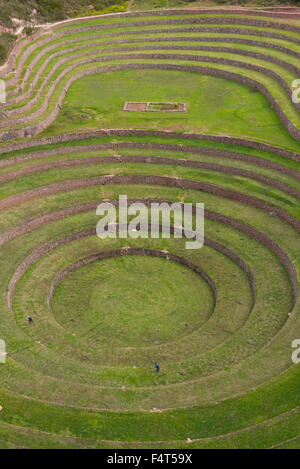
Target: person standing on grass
column 29, row 318
column 157, row 366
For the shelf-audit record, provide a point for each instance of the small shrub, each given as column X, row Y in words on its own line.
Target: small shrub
column 7, row 41
column 28, row 30
column 3, row 54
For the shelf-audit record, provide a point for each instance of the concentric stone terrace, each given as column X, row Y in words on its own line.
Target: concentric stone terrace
column 220, row 320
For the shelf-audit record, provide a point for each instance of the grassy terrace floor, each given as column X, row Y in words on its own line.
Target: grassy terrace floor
column 82, row 374
column 232, row 108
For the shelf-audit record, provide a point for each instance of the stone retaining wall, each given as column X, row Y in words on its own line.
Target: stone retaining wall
column 10, row 65
column 149, row 133
column 39, row 126
column 132, row 252
column 257, row 55
column 151, row 160
column 151, row 146
column 172, row 182
column 13, row 81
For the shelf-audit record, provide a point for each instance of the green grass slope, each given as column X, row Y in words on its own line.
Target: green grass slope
column 220, row 320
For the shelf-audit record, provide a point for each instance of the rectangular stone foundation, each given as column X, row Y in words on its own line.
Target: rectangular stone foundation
column 154, row 107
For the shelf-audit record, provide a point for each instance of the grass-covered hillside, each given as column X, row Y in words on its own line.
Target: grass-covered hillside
column 49, row 10
column 54, row 10
column 31, row 13
column 220, row 320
